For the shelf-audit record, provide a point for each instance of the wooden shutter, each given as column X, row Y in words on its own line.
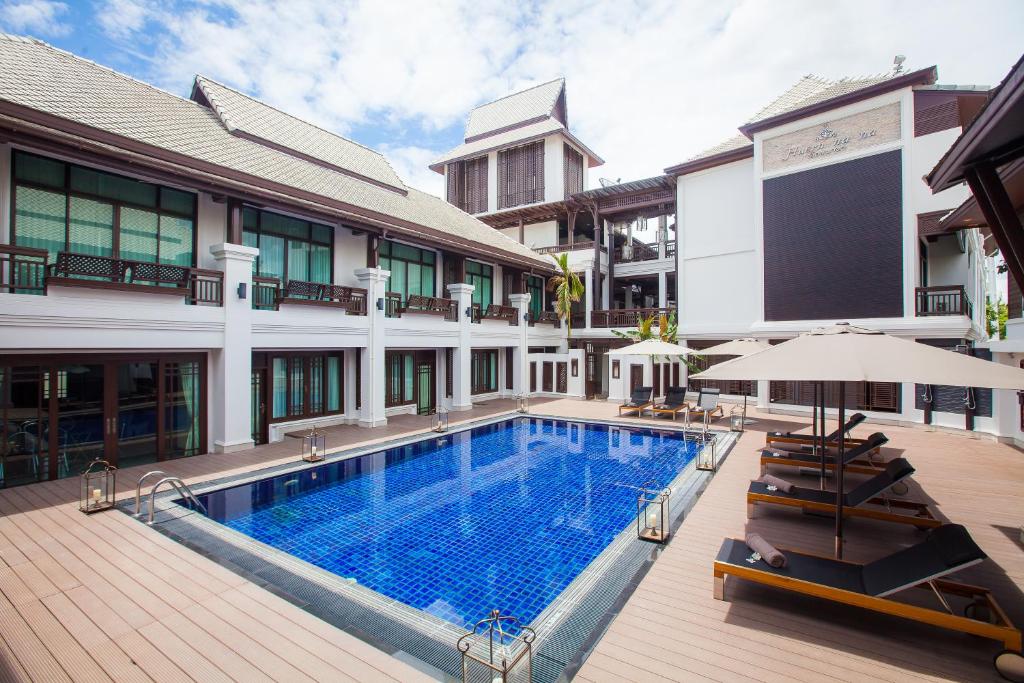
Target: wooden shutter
column 563, row 379
column 533, row 376
column 481, row 185
column 548, row 379
column 449, row 372
column 509, row 367
column 454, row 171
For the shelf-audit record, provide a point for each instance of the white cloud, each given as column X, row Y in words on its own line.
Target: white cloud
column 37, row 17
column 410, row 163
column 650, row 82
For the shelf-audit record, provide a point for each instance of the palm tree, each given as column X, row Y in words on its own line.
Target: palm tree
column 567, row 288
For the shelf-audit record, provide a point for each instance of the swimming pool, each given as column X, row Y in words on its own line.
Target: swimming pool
column 412, row 544
column 502, row 516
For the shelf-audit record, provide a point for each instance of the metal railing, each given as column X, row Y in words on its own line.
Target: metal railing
column 180, row 486
column 943, row 300
column 624, row 317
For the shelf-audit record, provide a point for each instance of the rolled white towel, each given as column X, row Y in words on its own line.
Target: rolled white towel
column 766, row 550
column 780, row 484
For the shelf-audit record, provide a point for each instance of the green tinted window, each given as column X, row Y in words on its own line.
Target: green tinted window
column 176, row 240
column 91, row 227
column 40, row 219
column 139, row 234
column 249, row 218
column 177, row 201
column 321, row 233
column 114, row 187
column 283, row 225
column 38, row 170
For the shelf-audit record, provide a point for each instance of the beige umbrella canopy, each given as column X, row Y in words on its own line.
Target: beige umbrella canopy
column 844, row 353
column 736, row 347
column 652, row 347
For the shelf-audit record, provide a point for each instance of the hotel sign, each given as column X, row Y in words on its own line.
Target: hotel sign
column 817, row 143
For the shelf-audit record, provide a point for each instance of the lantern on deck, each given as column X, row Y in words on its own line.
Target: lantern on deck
column 314, row 446
column 99, row 482
column 523, row 403
column 652, row 506
column 737, row 418
column 707, row 460
column 440, row 420
column 497, row 645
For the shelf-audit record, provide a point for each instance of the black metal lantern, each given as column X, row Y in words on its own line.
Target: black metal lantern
column 497, row 645
column 652, row 507
column 314, row 446
column 99, row 485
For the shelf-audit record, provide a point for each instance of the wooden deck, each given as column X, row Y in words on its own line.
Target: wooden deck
column 103, row 597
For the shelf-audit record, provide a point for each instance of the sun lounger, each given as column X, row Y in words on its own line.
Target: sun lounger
column 707, row 403
column 638, row 402
column 804, row 441
column 675, row 403
column 863, row 501
column 945, row 550
column 857, row 459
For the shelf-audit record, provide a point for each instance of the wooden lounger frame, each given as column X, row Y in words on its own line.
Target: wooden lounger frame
column 639, row 409
column 922, row 517
column 775, row 442
column 1003, row 630
column 858, row 466
column 697, row 411
column 655, row 410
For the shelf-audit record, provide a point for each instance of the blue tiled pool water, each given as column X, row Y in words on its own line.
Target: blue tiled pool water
column 501, row 516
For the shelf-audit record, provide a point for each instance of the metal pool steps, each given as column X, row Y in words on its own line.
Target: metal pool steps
column 180, row 486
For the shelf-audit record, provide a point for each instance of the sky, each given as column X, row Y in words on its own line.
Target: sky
column 649, row 84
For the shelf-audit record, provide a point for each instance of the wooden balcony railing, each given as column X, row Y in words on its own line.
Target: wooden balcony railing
column 562, row 248
column 206, row 287
column 496, row 312
column 624, row 317
column 22, row 270
column 416, row 303
column 265, row 293
column 546, row 318
column 268, row 295
column 943, row 300
column 638, row 252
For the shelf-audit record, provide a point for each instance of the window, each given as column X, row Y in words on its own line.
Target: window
column 306, row 385
column 64, row 207
column 535, row 288
column 484, row 371
column 467, row 184
column 399, row 368
column 290, row 248
column 521, row 175
column 573, row 162
column 481, row 276
column 412, row 269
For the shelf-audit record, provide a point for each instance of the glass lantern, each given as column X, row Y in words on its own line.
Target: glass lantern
column 652, row 506
column 99, row 483
column 523, row 403
column 498, row 647
column 737, row 418
column 314, row 446
column 707, row 460
column 440, row 420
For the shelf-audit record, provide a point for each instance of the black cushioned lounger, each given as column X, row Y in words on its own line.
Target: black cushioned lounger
column 856, row 459
column 861, row 501
column 640, row 400
column 675, row 403
column 945, row 550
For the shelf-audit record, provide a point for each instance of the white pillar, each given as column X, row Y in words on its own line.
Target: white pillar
column 231, row 366
column 520, row 381
column 462, row 364
column 588, row 295
column 662, row 289
column 763, row 393
column 371, row 413
column 351, row 361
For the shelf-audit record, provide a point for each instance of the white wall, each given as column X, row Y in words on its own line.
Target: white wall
column 537, row 235
column 718, row 282
column 574, row 385
column 349, row 254
column 925, row 152
column 554, row 176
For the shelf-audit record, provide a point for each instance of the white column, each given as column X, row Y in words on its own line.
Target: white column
column 231, row 365
column 462, row 397
column 520, row 382
column 662, row 289
column 351, row 361
column 588, row 295
column 371, row 413
column 763, row 391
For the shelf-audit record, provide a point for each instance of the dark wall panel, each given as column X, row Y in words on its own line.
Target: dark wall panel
column 833, row 242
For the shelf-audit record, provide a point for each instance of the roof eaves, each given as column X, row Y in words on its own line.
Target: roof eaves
column 710, row 161
column 926, row 76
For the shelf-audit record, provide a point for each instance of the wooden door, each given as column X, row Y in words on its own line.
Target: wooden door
column 548, row 382
column 636, row 377
column 533, row 377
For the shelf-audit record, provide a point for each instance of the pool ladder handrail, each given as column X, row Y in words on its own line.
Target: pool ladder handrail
column 180, row 486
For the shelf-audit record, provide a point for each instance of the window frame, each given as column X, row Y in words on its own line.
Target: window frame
column 307, row 361
column 483, row 368
column 406, row 261
column 259, row 232
column 475, row 279
column 115, row 204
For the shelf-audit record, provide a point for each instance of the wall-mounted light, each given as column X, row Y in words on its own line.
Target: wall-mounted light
column 526, row 317
column 241, row 290
column 380, row 304
column 469, row 311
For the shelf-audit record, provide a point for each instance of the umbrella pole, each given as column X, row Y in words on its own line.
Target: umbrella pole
column 824, row 442
column 840, row 466
column 814, row 438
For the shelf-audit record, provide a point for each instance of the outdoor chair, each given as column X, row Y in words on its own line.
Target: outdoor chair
column 707, row 404
column 865, row 500
column 803, row 441
column 945, row 550
column 675, row 403
column 856, row 459
column 640, row 400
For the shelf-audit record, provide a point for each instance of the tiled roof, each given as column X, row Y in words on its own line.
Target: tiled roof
column 738, row 141
column 240, row 112
column 516, row 108
column 38, row 76
column 500, row 140
column 812, row 89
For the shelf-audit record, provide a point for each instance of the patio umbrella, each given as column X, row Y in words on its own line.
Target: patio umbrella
column 652, row 347
column 843, row 353
column 741, row 347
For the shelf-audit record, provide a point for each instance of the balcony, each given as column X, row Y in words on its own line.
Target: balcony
column 637, row 252
column 545, row 318
column 268, row 295
column 943, row 300
column 625, row 317
column 496, row 312
column 430, row 305
column 563, row 248
column 25, row 271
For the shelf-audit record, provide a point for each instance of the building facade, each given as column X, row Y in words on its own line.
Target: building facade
column 180, row 276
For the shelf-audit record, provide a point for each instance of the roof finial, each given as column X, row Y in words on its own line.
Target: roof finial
column 897, row 64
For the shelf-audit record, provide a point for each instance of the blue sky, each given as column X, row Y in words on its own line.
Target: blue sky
column 649, row 83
